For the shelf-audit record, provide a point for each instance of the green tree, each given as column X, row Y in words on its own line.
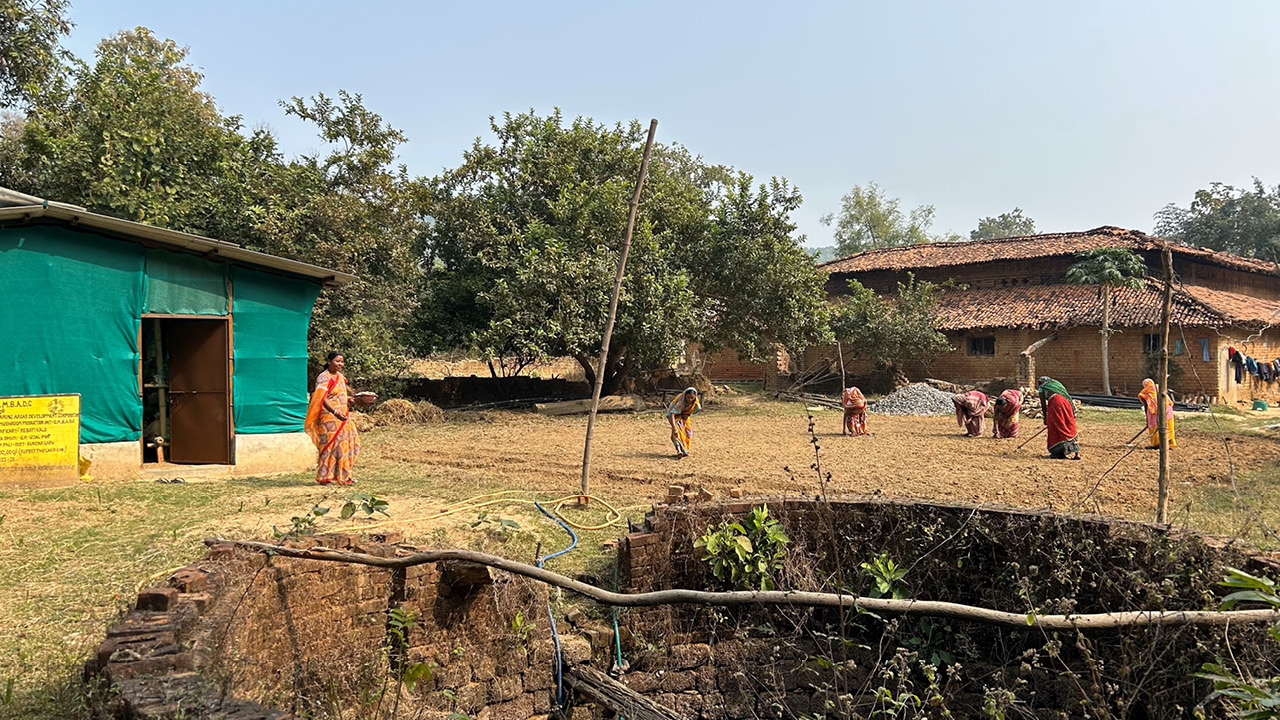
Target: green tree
column 1244, row 221
column 523, row 248
column 891, row 330
column 134, row 136
column 1010, row 224
column 869, row 219
column 30, row 56
column 1107, row 268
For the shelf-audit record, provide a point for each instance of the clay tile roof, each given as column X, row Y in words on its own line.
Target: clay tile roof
column 1062, row 305
column 945, row 254
column 1244, row 309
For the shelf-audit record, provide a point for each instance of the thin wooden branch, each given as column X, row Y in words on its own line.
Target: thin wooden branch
column 795, row 598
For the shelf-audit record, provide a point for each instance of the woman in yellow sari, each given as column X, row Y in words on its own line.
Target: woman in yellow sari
column 1148, row 398
column 679, row 413
column 327, row 424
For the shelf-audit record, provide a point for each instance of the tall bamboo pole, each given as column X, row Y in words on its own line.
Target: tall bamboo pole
column 613, row 309
column 1162, row 426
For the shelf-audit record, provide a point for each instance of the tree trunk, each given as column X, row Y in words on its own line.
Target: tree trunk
column 1105, row 292
column 616, row 368
column 1162, row 391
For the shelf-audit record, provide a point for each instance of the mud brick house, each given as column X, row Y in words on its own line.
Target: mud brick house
column 198, row 342
column 1013, row 292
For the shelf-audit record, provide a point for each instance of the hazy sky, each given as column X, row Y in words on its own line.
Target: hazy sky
column 1082, row 113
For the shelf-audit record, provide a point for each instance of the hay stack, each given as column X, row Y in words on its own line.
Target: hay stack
column 363, row 422
column 402, row 412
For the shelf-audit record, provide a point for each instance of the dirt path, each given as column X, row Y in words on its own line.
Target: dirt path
column 923, row 457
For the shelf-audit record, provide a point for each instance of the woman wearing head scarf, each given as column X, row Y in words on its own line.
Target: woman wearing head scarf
column 970, row 408
column 1148, row 398
column 855, row 412
column 327, row 424
column 1059, row 418
column 679, row 413
column 1008, row 405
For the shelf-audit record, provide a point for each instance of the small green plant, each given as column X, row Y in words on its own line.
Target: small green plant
column 497, row 526
column 365, row 503
column 746, row 554
column 996, row 701
column 886, row 577
column 1249, row 698
column 521, row 627
column 301, row 525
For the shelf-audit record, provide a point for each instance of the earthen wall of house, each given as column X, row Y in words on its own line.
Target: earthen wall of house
column 1074, row 358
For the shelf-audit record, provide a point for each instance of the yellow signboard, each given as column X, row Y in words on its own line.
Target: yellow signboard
column 39, row 437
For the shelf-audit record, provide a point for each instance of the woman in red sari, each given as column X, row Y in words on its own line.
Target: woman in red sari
column 329, row 427
column 1008, row 405
column 1059, row 418
column 970, row 409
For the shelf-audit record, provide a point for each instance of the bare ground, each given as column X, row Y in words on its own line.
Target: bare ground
column 772, row 452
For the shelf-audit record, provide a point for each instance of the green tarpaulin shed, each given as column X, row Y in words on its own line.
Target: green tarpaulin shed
column 78, row 286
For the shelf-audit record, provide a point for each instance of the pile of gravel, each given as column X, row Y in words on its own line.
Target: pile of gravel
column 914, row 399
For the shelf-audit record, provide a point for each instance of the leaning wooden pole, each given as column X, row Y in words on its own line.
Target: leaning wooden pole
column 1162, row 392
column 613, row 309
column 840, row 354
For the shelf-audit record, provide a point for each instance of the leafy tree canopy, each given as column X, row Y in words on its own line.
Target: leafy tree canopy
column 525, row 237
column 30, row 57
column 891, row 330
column 1113, row 267
column 869, row 219
column 135, row 136
column 1244, row 221
column 1010, row 224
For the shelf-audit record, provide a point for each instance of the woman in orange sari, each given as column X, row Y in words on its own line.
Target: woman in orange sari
column 328, row 425
column 1148, row 398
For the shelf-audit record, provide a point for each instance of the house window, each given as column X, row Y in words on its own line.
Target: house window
column 982, row 346
column 1152, row 342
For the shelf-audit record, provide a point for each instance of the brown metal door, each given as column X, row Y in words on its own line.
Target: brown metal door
column 199, row 391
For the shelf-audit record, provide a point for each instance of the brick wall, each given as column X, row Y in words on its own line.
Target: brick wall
column 727, row 365
column 257, row 637
column 754, row 663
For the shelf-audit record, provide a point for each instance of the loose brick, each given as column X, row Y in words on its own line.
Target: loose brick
column 159, row 599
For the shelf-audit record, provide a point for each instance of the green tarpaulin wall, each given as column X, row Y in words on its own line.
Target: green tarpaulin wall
column 75, row 303
column 270, row 315
column 181, row 284
column 71, row 325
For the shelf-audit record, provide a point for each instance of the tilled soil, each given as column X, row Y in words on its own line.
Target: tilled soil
column 919, row 457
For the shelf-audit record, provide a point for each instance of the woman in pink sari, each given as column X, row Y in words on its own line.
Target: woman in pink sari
column 1005, row 417
column 328, row 425
column 970, row 408
column 855, row 412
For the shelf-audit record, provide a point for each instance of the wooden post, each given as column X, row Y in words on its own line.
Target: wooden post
column 1162, row 391
column 613, row 309
column 840, row 354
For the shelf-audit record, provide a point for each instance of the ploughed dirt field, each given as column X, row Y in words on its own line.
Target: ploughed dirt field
column 766, row 448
